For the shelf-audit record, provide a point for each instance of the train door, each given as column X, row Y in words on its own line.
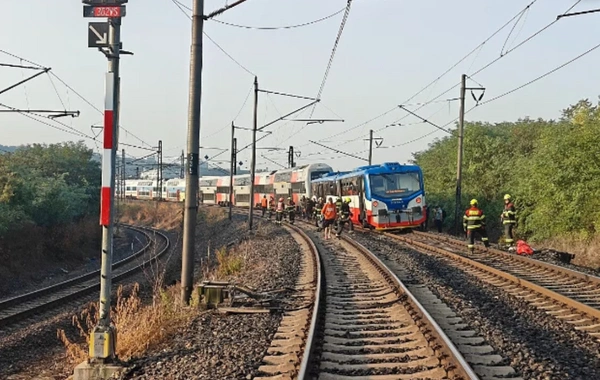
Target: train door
column 361, row 201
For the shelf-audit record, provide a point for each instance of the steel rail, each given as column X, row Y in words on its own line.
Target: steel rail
column 590, row 311
column 308, row 352
column 20, row 315
column 449, row 351
column 10, row 302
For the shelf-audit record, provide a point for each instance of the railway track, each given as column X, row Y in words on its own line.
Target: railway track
column 568, row 295
column 364, row 324
column 18, row 308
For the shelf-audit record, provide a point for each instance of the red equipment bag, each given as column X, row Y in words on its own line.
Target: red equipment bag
column 524, row 249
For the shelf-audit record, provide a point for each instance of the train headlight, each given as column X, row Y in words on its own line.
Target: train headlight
column 375, row 203
column 418, row 200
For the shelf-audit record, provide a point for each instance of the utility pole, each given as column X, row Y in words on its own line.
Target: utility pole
column 461, row 126
column 137, row 172
column 370, row 147
column 159, row 171
column 291, row 162
column 182, row 167
column 124, row 173
column 235, row 152
column 231, row 169
column 253, row 167
column 191, row 185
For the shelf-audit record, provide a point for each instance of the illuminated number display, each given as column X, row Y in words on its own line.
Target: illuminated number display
column 107, row 11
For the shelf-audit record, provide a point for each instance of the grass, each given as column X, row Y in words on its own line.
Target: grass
column 140, row 327
column 587, row 251
column 161, row 215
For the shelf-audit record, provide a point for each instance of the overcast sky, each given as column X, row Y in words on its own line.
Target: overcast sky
column 389, row 50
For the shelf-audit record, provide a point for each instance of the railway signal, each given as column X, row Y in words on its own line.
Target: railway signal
column 107, row 38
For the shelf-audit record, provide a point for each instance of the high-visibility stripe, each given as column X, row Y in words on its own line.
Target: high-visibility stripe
column 106, row 167
column 109, row 91
column 108, row 129
column 105, row 206
column 109, row 140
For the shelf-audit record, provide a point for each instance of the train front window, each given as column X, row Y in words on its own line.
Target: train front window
column 317, row 174
column 394, row 185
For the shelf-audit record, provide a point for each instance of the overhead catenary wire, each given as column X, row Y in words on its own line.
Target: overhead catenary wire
column 329, row 64
column 181, row 8
column 280, row 27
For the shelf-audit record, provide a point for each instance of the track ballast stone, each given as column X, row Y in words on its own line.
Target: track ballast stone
column 221, row 346
column 537, row 345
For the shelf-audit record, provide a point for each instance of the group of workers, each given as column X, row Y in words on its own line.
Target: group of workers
column 310, row 208
column 474, row 223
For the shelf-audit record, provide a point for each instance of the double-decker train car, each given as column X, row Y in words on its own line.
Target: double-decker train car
column 142, row 189
column 175, row 190
column 385, row 197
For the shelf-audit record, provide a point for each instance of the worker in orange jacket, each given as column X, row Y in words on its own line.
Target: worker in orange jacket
column 264, row 204
column 329, row 212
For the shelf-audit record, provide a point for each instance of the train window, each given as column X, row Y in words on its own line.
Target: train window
column 283, row 177
column 395, row 184
column 223, row 189
column 298, row 188
column 350, row 186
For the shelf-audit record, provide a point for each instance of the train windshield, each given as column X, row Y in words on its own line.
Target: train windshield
column 317, row 174
column 394, row 185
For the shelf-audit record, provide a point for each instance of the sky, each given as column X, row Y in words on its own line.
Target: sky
column 389, row 50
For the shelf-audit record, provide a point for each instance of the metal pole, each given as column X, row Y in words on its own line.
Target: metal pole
column 370, row 147
column 191, row 185
column 104, row 330
column 253, row 167
column 124, row 173
column 182, row 168
column 235, row 156
column 160, row 170
column 461, row 123
column 231, row 169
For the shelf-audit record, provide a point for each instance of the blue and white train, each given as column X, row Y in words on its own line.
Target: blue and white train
column 385, row 197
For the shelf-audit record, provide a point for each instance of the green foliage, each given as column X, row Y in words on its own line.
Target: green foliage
column 48, row 185
column 551, row 168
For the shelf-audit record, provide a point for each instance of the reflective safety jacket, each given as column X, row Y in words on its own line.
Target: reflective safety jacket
column 263, row 203
column 280, row 206
column 345, row 209
column 473, row 219
column 319, row 207
column 291, row 206
column 509, row 215
column 338, row 204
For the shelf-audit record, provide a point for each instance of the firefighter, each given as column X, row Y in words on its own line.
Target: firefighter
column 271, row 206
column 303, row 201
column 345, row 215
column 474, row 222
column 318, row 208
column 279, row 211
column 509, row 220
column 291, row 210
column 338, row 204
column 310, row 206
column 263, row 205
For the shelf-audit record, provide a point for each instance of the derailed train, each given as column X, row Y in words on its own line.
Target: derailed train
column 384, row 197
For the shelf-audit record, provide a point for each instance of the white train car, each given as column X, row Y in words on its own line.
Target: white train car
column 175, row 190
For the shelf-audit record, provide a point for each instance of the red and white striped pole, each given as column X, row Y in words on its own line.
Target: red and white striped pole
column 103, row 339
column 106, row 195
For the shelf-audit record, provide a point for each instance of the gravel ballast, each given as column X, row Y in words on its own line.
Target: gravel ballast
column 229, row 346
column 538, row 346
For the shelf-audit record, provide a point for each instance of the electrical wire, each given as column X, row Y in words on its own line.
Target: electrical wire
column 280, row 27
column 236, row 116
column 181, row 8
column 329, row 64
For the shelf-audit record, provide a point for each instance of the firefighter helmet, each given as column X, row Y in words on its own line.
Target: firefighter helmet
column 473, row 202
column 507, row 197
column 280, row 199
column 348, row 200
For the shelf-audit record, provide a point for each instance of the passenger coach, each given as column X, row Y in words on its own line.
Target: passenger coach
column 387, row 196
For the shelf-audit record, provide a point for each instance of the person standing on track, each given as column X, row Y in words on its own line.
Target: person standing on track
column 329, row 213
column 279, row 211
column 310, row 205
column 271, row 206
column 509, row 220
column 438, row 217
column 263, row 205
column 474, row 222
